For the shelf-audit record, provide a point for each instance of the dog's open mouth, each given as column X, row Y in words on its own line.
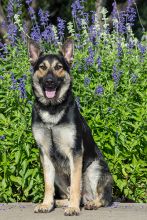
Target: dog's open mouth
column 50, row 93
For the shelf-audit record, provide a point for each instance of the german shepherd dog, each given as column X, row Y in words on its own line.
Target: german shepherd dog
column 74, row 170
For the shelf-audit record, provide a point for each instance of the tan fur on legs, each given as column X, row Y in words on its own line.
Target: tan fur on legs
column 49, row 173
column 76, row 172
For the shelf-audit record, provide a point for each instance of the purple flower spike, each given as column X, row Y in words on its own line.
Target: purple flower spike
column 48, row 35
column 61, row 27
column 116, row 75
column 90, row 60
column 43, row 17
column 142, row 48
column 28, row 2
column 21, row 88
column 14, row 81
column 130, row 13
column 12, row 33
column 134, row 78
column 10, row 10
column 1, row 77
column 92, row 34
column 2, row 137
column 35, row 34
column 93, row 17
column 119, row 48
column 99, row 90
column 122, row 23
column 31, row 13
column 86, row 81
column 77, row 8
column 99, row 62
column 114, row 10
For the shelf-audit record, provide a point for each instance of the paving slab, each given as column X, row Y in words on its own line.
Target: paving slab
column 118, row 211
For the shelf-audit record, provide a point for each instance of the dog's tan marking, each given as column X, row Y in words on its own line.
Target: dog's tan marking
column 40, row 73
column 49, row 184
column 48, row 170
column 43, row 69
column 60, row 72
column 76, row 173
column 54, row 63
column 48, row 65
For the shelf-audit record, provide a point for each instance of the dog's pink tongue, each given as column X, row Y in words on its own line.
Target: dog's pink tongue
column 50, row 94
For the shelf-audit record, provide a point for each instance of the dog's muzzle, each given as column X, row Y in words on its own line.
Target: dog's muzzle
column 50, row 86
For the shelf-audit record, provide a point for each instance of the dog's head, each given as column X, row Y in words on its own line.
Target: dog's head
column 51, row 73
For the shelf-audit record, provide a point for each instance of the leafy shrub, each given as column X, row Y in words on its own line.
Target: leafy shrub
column 109, row 86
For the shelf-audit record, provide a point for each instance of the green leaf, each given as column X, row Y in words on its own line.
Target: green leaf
column 17, row 156
column 16, row 179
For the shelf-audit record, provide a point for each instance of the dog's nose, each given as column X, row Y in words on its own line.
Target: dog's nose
column 49, row 81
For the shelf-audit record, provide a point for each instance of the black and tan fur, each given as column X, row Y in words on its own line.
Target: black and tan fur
column 74, row 169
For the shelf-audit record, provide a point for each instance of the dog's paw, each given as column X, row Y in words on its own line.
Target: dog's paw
column 71, row 211
column 61, row 203
column 44, row 208
column 92, row 205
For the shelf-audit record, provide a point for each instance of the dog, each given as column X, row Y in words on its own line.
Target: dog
column 75, row 173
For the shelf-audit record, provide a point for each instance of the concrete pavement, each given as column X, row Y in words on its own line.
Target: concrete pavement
column 118, row 211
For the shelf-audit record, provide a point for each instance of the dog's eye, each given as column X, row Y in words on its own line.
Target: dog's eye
column 43, row 67
column 58, row 67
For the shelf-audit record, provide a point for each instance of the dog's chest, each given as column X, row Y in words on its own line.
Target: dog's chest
column 64, row 137
column 51, row 119
column 63, row 134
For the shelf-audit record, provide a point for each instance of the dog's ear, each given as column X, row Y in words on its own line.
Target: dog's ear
column 68, row 50
column 34, row 51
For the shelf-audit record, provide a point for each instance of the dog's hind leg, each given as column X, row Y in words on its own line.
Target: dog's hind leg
column 97, row 186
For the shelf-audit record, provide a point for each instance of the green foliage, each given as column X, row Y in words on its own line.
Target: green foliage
column 112, row 93
column 118, row 116
column 20, row 178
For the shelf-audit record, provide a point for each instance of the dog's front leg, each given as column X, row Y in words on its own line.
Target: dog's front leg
column 76, row 173
column 49, row 176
